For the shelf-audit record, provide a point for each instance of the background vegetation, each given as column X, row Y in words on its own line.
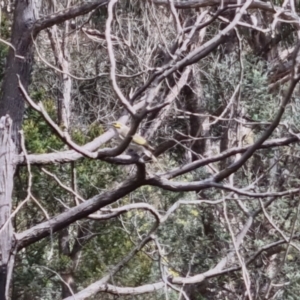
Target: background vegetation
column 214, row 87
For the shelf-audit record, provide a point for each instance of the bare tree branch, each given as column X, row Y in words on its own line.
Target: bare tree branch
column 66, row 14
column 76, row 213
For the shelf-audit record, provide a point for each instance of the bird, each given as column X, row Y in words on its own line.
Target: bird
column 138, row 142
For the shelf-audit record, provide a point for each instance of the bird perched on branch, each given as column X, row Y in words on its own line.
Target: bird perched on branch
column 138, row 142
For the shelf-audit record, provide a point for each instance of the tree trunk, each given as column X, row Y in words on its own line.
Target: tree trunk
column 7, row 169
column 19, row 62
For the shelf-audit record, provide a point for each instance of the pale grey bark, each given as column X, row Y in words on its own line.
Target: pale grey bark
column 7, row 169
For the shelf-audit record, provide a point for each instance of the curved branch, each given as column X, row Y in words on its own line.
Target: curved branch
column 223, row 155
column 109, row 213
column 266, row 134
column 147, row 288
column 72, row 155
column 65, row 137
column 183, row 186
column 95, row 287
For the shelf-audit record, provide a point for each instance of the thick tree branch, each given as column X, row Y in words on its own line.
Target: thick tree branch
column 67, row 14
column 71, row 155
column 64, row 219
column 116, row 290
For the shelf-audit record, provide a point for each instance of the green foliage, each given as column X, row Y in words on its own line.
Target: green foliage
column 255, row 92
column 39, row 137
column 4, row 49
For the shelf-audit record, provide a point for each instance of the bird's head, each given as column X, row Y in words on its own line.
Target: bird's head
column 117, row 125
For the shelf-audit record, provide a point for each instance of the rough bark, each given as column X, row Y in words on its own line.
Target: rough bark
column 19, row 62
